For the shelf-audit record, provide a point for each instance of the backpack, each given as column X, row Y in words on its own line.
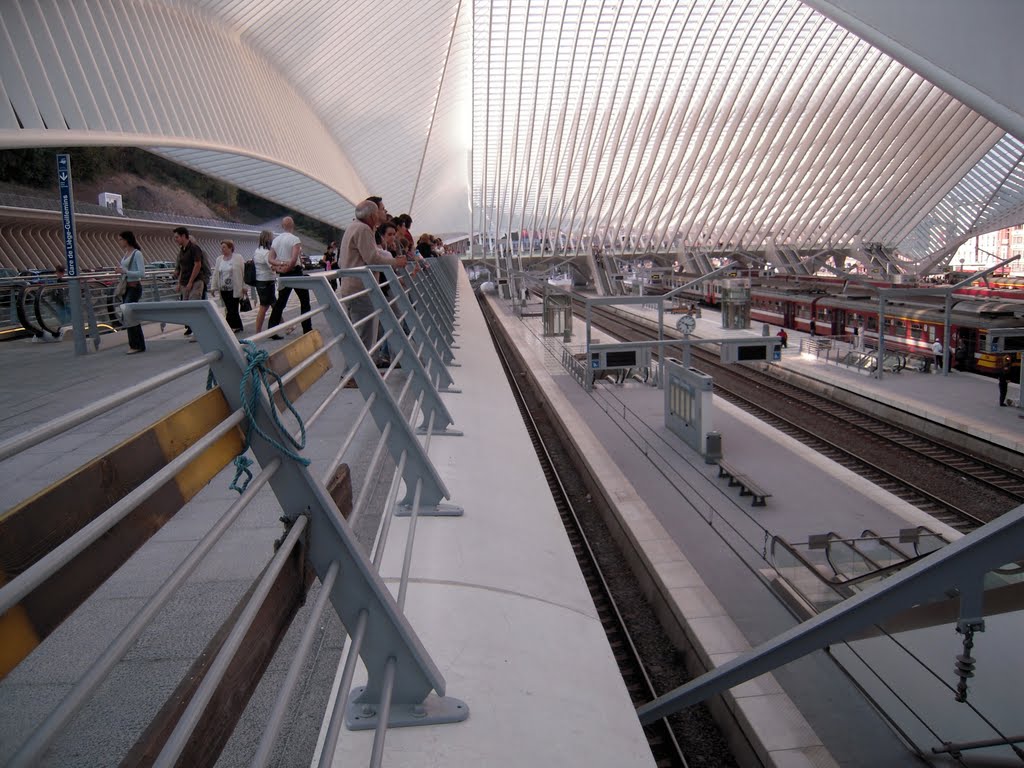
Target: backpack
column 249, row 273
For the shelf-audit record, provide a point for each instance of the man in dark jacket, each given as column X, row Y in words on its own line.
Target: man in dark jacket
column 1004, row 379
column 192, row 271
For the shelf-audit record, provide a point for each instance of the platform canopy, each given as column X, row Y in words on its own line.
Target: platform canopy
column 710, row 124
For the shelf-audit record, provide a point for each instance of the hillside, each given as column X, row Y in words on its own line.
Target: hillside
column 145, row 182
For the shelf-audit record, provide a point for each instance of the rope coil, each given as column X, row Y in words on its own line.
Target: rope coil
column 258, row 377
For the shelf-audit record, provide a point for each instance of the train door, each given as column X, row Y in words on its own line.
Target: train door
column 838, row 321
column 965, row 347
column 788, row 314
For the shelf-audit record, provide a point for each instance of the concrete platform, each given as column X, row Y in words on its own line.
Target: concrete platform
column 499, row 601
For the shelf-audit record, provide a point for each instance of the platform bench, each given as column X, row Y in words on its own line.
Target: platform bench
column 747, row 486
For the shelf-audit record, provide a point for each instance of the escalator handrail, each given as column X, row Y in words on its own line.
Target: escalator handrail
column 39, row 314
column 23, row 314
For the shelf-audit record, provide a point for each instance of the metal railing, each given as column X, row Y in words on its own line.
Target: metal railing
column 959, row 568
column 41, row 307
column 403, row 686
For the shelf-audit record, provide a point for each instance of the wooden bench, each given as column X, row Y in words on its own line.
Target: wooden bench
column 747, row 486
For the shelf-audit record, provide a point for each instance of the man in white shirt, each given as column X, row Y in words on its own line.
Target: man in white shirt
column 286, row 259
column 359, row 249
column 937, row 351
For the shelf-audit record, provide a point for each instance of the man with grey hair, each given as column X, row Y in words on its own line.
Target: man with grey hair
column 359, row 249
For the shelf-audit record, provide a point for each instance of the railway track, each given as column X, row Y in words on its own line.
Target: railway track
column 694, row 727
column 952, row 485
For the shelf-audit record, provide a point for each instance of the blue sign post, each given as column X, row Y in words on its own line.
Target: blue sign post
column 67, row 210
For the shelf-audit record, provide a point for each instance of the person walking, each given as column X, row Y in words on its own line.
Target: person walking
column 228, row 283
column 330, row 263
column 937, row 352
column 133, row 267
column 1004, row 379
column 192, row 273
column 266, row 277
column 783, row 337
column 286, row 258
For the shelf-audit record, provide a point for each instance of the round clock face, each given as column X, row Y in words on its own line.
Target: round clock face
column 686, row 324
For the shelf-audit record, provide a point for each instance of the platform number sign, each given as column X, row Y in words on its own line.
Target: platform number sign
column 777, row 352
column 67, row 211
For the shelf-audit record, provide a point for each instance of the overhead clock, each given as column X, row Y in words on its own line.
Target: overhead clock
column 686, row 324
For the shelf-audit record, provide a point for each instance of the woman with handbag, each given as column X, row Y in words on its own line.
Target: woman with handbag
column 132, row 268
column 228, row 283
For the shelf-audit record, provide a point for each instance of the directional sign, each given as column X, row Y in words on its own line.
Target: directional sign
column 67, row 211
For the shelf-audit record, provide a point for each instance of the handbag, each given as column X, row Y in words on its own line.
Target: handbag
column 245, row 305
column 121, row 287
column 249, row 274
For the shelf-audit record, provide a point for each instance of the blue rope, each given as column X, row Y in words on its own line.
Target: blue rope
column 256, row 376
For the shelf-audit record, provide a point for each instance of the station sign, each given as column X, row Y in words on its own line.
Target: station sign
column 67, row 212
column 749, row 351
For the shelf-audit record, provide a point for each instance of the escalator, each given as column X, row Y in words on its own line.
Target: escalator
column 42, row 310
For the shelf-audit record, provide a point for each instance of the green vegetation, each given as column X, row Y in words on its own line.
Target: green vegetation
column 37, row 168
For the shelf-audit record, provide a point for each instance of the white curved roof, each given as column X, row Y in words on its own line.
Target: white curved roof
column 750, row 123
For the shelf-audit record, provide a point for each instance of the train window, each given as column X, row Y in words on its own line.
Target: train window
column 915, row 330
column 1013, row 343
column 872, row 323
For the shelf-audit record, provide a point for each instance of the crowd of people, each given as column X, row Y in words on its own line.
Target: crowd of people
column 373, row 238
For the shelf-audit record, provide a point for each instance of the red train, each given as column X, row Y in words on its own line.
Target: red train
column 1003, row 288
column 981, row 332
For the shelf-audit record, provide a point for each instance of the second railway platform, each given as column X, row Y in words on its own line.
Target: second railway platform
column 705, row 549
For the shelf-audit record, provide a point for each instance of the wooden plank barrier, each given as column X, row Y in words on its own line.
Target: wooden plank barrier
column 32, row 529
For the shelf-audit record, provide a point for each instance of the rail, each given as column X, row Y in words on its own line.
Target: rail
column 240, row 416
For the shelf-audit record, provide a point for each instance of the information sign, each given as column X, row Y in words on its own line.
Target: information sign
column 67, row 212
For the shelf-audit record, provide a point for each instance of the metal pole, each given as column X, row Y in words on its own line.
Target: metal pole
column 881, row 334
column 945, row 332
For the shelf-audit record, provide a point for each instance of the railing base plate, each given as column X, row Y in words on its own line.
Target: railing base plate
column 433, row 710
column 440, row 510
column 421, row 430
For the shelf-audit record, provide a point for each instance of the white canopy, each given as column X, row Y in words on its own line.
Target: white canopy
column 739, row 124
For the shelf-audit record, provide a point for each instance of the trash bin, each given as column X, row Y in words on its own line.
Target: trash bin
column 713, row 448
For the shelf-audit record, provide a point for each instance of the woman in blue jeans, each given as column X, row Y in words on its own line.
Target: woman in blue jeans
column 133, row 267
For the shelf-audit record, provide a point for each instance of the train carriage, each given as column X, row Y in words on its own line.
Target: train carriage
column 981, row 332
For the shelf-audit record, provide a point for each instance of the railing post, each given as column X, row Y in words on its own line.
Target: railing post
column 425, row 301
column 384, row 409
column 418, row 330
column 433, row 407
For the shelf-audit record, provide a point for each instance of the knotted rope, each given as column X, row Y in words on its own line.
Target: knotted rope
column 256, row 377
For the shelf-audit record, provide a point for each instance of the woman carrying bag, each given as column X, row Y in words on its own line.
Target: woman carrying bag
column 132, row 268
column 228, row 282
